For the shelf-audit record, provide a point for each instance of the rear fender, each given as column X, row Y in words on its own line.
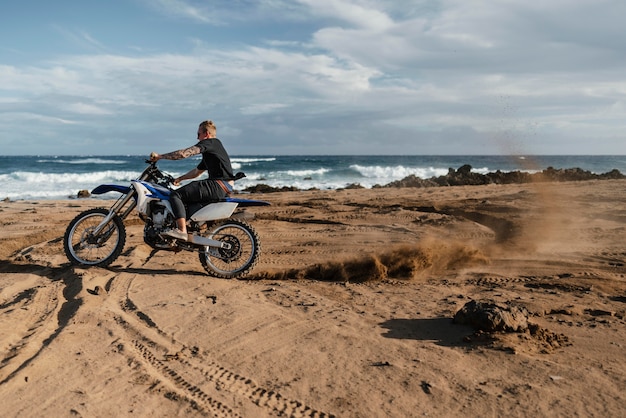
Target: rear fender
column 247, row 202
column 214, row 211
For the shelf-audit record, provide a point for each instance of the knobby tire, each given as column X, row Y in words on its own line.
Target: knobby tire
column 243, row 255
column 82, row 248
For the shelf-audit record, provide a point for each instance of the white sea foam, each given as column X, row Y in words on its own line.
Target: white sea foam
column 94, row 177
column 300, row 173
column 324, row 178
column 392, row 173
column 238, row 162
column 83, row 161
column 244, row 160
column 27, row 185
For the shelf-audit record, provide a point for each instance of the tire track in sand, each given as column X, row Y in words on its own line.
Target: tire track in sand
column 206, row 385
column 39, row 309
column 38, row 306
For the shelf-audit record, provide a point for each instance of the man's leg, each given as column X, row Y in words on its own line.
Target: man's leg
column 188, row 193
column 197, row 191
column 178, row 207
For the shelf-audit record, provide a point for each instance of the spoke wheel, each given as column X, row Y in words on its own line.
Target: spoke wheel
column 241, row 255
column 82, row 247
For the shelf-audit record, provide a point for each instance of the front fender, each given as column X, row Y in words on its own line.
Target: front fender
column 105, row 188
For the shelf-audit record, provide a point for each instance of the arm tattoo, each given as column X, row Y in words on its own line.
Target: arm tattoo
column 181, row 153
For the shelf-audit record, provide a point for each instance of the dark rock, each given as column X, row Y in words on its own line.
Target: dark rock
column 464, row 177
column 264, row 188
column 464, row 170
column 492, row 317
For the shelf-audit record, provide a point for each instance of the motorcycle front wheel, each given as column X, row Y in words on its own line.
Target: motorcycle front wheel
column 241, row 256
column 83, row 247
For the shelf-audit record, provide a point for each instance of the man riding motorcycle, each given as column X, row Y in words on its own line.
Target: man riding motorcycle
column 219, row 184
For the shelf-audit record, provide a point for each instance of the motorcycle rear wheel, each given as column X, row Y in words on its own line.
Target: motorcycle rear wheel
column 240, row 258
column 83, row 248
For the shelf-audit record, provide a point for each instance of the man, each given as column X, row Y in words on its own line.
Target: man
column 219, row 184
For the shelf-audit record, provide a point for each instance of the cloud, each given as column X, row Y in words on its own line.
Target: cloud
column 262, row 108
column 447, row 77
column 181, row 9
column 80, row 38
column 356, row 14
column 222, row 13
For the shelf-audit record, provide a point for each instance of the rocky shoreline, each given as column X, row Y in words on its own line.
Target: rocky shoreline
column 464, row 176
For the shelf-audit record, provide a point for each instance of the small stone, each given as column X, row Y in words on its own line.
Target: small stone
column 426, row 387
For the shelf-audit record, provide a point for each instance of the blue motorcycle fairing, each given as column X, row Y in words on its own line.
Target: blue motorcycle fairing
column 105, row 188
column 157, row 191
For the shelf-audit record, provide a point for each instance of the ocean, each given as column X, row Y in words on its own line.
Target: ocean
column 61, row 177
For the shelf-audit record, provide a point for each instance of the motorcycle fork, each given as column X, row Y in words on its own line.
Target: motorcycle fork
column 116, row 210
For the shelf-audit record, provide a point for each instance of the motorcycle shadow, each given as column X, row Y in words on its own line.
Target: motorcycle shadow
column 50, row 272
column 154, row 272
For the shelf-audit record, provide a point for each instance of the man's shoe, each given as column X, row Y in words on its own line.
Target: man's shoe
column 176, row 233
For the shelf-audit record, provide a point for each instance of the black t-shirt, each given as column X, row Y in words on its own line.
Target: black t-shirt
column 215, row 159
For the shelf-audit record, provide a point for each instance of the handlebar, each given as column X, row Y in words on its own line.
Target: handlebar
column 161, row 178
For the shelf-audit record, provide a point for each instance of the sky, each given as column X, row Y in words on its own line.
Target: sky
column 313, row 77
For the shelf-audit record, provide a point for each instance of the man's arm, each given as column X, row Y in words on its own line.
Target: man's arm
column 191, row 174
column 177, row 155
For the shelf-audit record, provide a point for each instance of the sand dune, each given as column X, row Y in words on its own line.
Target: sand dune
column 348, row 313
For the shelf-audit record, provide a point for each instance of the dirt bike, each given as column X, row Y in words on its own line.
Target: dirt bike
column 226, row 243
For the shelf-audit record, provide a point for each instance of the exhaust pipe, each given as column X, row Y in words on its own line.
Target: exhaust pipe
column 207, row 242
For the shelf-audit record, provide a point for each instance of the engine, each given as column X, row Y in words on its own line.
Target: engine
column 159, row 220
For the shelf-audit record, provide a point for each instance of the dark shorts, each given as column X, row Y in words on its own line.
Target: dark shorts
column 203, row 191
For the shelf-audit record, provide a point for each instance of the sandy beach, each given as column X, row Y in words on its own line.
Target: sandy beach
column 349, row 312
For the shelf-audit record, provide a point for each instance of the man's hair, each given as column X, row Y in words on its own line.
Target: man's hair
column 209, row 127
